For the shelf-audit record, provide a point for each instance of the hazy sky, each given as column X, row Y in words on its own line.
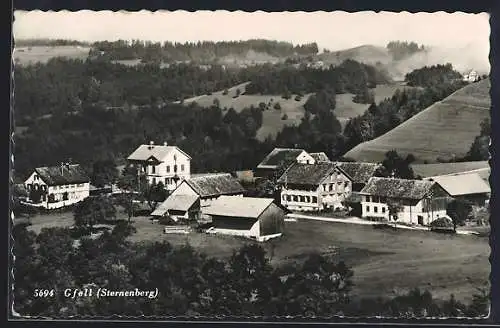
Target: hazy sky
column 333, row 30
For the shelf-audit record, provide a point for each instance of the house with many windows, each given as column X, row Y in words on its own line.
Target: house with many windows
column 410, row 201
column 162, row 163
column 314, row 187
column 358, row 172
column 281, row 158
column 57, row 186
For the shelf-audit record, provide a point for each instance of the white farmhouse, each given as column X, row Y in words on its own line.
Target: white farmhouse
column 57, row 186
column 314, row 187
column 416, row 201
column 471, row 76
column 162, row 163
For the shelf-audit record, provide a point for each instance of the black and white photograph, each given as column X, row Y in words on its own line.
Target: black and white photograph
column 250, row 165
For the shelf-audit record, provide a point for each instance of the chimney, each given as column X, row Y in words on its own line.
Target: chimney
column 151, row 145
column 62, row 168
column 165, row 143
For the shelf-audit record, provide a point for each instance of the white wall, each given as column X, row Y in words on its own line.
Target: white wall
column 408, row 214
column 305, row 158
column 164, row 171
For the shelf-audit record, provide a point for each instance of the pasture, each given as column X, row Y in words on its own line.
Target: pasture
column 385, row 262
column 430, row 170
column 444, row 130
column 42, row 54
column 272, row 118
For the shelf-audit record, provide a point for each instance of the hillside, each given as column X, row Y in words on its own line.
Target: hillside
column 42, row 54
column 443, row 130
column 367, row 54
column 272, row 118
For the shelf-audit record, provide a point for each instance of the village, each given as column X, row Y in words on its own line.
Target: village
column 304, row 186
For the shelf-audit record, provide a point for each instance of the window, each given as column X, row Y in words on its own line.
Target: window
column 331, row 186
column 368, row 208
column 175, row 168
column 295, row 198
column 153, row 169
column 375, row 209
column 288, row 198
column 314, row 199
column 182, row 167
column 367, row 198
column 308, row 199
column 284, row 197
column 302, row 199
column 383, row 209
column 168, row 168
column 346, row 184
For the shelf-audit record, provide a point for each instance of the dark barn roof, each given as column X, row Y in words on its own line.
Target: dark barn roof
column 357, row 171
column 215, row 185
column 398, row 188
column 62, row 175
column 280, row 155
column 307, row 174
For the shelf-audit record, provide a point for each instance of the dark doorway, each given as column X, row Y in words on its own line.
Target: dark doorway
column 420, row 220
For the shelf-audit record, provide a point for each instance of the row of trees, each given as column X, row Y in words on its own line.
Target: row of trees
column 430, row 76
column 403, row 49
column 192, row 284
column 479, row 150
column 350, row 76
column 201, row 51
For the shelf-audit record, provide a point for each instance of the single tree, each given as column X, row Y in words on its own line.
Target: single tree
column 458, row 210
column 93, row 210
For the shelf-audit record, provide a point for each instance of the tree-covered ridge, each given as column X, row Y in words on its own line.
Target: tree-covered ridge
column 48, row 42
column 66, row 85
column 403, row 49
column 429, row 76
column 202, row 51
column 220, row 142
column 192, row 284
column 348, row 77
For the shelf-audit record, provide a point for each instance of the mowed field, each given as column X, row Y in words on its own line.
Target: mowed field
column 42, row 54
column 385, row 263
column 443, row 130
column 429, row 170
column 272, row 118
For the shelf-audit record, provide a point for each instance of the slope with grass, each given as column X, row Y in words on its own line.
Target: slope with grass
column 42, row 54
column 442, row 131
column 272, row 121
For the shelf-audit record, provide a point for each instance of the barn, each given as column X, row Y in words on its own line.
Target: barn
column 255, row 218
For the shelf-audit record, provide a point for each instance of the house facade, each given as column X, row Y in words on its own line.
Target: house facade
column 57, row 186
column 358, row 172
column 280, row 159
column 162, row 163
column 255, row 218
column 314, row 187
column 471, row 76
column 414, row 201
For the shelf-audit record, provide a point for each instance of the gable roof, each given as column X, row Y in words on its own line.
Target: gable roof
column 436, row 169
column 463, row 184
column 238, row 207
column 320, row 157
column 159, row 152
column 62, row 175
column 215, row 185
column 280, row 155
column 307, row 174
column 398, row 188
column 175, row 202
column 358, row 172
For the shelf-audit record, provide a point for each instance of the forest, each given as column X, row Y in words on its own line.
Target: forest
column 202, row 51
column 71, row 109
column 403, row 49
column 192, row 284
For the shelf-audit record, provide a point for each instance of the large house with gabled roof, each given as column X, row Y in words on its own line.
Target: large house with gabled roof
column 415, row 201
column 314, row 187
column 53, row 187
column 359, row 173
column 162, row 163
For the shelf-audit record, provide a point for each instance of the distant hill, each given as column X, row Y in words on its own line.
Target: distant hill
column 367, row 54
column 42, row 54
column 444, row 130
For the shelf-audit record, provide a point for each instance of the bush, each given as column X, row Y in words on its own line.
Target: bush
column 225, row 92
column 375, row 218
column 298, row 98
column 277, row 106
column 284, row 117
column 166, row 220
